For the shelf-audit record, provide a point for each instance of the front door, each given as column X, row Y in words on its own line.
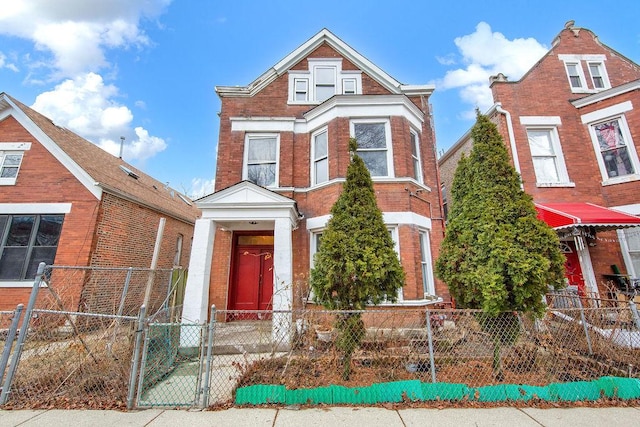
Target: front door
column 252, row 279
column 572, row 269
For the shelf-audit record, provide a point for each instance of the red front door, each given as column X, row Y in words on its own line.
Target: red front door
column 572, row 269
column 252, row 281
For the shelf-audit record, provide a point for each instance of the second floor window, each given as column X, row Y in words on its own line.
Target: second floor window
column 415, row 156
column 614, row 149
column 547, row 163
column 374, row 146
column 261, row 160
column 320, row 161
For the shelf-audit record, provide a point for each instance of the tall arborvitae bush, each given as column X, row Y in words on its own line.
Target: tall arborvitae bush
column 356, row 264
column 496, row 255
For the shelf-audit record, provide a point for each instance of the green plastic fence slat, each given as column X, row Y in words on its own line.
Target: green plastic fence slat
column 527, row 392
column 490, row 393
column 623, row 388
column 444, row 391
column 396, row 391
column 303, row 396
column 260, row 394
column 354, row 395
column 574, row 391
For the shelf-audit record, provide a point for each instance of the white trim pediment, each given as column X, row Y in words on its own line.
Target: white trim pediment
column 247, row 201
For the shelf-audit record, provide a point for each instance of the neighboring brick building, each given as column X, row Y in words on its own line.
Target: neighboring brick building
column 282, row 160
column 572, row 127
column 67, row 202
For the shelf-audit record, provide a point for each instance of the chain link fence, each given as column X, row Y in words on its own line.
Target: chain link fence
column 580, row 350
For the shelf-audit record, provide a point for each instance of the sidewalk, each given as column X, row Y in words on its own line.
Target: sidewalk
column 329, row 416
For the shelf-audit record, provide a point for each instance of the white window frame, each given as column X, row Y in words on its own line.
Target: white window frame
column 608, row 114
column 296, row 91
column 578, row 61
column 428, row 283
column 12, row 148
column 626, row 252
column 416, row 161
column 603, row 75
column 340, row 76
column 350, row 80
column 549, row 124
column 388, row 139
column 314, row 160
column 245, row 162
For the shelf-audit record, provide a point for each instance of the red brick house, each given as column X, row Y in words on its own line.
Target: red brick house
column 65, row 201
column 282, row 160
column 572, row 127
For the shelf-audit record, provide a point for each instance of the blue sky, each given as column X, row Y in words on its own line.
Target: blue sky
column 146, row 69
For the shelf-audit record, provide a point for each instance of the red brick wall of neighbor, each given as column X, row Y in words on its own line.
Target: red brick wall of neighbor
column 294, row 164
column 126, row 236
column 545, row 91
column 42, row 179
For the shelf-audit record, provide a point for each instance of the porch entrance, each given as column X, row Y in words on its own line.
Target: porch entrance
column 252, row 272
column 572, row 268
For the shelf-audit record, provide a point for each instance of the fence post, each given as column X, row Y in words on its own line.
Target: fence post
column 11, row 335
column 584, row 324
column 634, row 311
column 430, row 341
column 136, row 356
column 207, row 373
column 4, row 396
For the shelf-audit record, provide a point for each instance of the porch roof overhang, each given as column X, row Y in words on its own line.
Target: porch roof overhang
column 247, row 202
column 566, row 216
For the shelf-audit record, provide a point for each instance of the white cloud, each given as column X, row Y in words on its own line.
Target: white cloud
column 5, row 64
column 488, row 53
column 77, row 32
column 200, row 187
column 86, row 106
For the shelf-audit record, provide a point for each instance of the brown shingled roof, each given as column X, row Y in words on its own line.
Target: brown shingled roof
column 106, row 170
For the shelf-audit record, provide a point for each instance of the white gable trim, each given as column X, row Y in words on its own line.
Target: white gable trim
column 55, row 150
column 343, row 49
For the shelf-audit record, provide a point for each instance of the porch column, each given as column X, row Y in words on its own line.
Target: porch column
column 282, row 281
column 196, row 295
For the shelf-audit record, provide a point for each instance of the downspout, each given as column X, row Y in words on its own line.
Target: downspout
column 512, row 140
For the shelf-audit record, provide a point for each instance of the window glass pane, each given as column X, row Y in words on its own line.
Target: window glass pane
column 414, row 145
column 20, row 230
column 9, row 172
column 49, row 230
column 633, row 238
column 540, row 143
column 609, row 135
column 301, row 85
column 324, row 92
column 12, row 160
column 370, row 135
column 320, row 146
column 325, row 75
column 262, row 149
column 348, row 86
column 376, row 162
column 321, row 171
column 262, row 174
column 38, row 255
column 546, row 169
column 613, row 149
column 12, row 262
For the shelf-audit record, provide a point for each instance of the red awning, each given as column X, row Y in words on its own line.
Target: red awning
column 566, row 215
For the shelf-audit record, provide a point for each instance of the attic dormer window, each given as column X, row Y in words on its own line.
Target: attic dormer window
column 575, row 66
column 322, row 79
column 129, row 172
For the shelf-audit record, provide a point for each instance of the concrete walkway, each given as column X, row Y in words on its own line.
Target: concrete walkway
column 329, row 416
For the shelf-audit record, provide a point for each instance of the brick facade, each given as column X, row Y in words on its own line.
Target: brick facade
column 112, row 231
column 397, row 194
column 543, row 99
